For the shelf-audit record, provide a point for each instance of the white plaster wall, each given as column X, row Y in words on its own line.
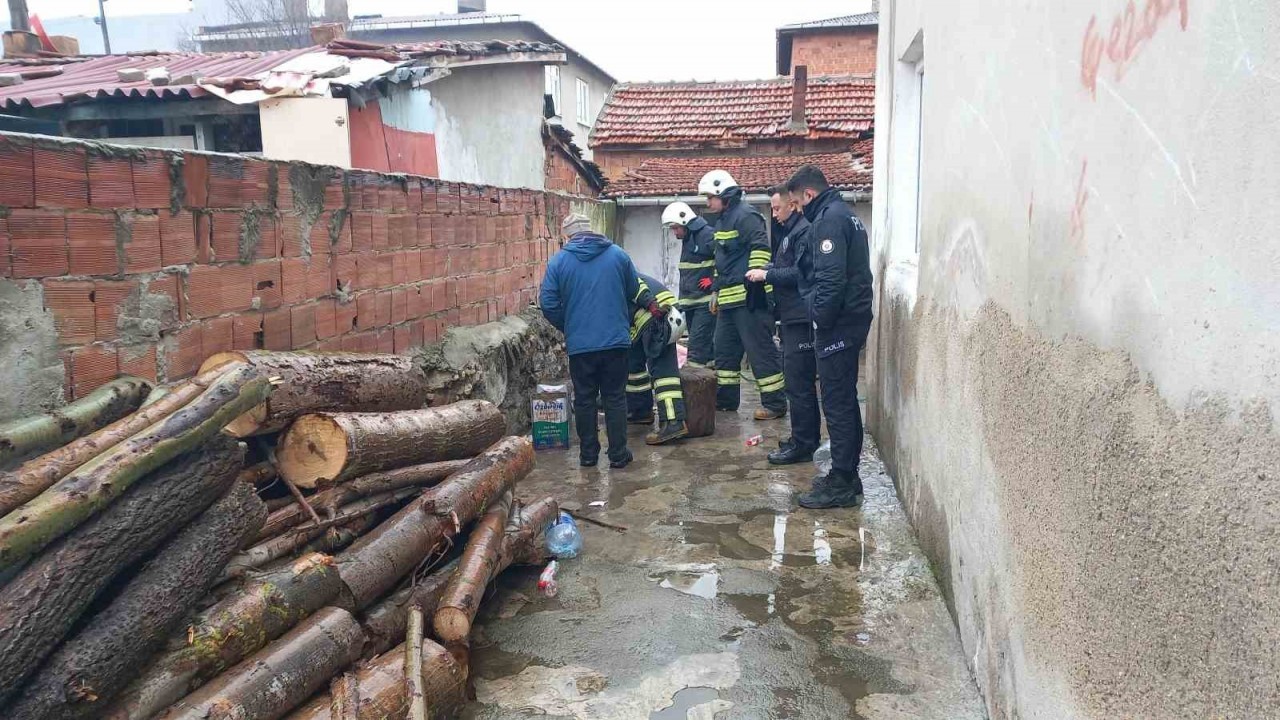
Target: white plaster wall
column 654, row 249
column 313, row 129
column 489, row 125
column 1096, row 295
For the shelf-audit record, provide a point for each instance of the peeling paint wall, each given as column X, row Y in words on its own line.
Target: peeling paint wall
column 1076, row 372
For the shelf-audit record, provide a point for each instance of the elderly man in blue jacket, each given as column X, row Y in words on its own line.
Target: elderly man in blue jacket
column 587, row 293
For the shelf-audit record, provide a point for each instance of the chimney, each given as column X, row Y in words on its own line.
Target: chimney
column 799, row 96
column 471, row 6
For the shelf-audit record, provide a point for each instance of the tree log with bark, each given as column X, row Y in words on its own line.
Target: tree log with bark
column 377, row 483
column 476, row 569
column 322, row 382
column 383, row 691
column 23, row 438
column 262, row 610
column 281, row 676
column 94, row 664
column 36, row 475
column 484, row 559
column 379, row 559
column 43, row 601
column 92, row 486
column 384, row 623
column 334, row 447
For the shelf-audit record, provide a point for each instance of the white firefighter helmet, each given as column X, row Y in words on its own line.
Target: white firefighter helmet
column 675, row 319
column 715, row 183
column 677, row 213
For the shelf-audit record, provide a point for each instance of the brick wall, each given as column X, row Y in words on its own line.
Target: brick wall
column 150, row 261
column 562, row 175
column 845, row 52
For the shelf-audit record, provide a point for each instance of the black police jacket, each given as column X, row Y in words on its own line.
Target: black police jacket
column 792, row 264
column 697, row 261
column 839, row 298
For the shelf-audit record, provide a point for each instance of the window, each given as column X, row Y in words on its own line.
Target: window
column 553, row 87
column 906, row 141
column 584, row 103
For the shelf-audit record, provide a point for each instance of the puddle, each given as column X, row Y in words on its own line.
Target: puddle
column 697, row 579
column 790, row 541
column 684, row 701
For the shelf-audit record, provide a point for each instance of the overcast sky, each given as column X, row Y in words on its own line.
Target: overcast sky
column 644, row 40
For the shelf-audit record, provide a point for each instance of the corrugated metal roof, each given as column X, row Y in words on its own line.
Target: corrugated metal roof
column 670, row 176
column 87, row 78
column 716, row 112
column 861, row 20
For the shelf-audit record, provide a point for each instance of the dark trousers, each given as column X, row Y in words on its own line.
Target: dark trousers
column 701, row 326
column 800, row 366
column 647, row 376
column 839, row 375
column 600, row 374
column 751, row 331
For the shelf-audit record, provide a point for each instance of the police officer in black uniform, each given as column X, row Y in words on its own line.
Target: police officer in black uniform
column 792, row 259
column 697, row 275
column 839, row 300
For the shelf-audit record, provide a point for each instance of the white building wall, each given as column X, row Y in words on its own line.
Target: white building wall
column 311, row 129
column 1077, row 372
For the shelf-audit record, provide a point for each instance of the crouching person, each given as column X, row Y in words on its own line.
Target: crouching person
column 653, row 373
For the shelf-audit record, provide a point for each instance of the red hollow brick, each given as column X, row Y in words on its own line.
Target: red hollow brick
column 110, row 182
column 91, row 367
column 346, row 317
column 177, row 238
column 294, row 273
column 170, row 287
column 195, row 176
column 361, row 232
column 277, row 329
column 302, row 322
column 380, row 231
column 183, row 352
column 319, row 275
column 71, row 304
column 151, row 184
column 386, row 342
column 92, row 242
column 246, row 331
column 345, row 273
column 217, row 336
column 326, row 318
column 367, row 265
column 268, row 284
column 217, row 289
column 400, row 304
column 402, row 339
column 38, row 240
column 109, row 298
column 143, row 251
column 138, row 361
column 366, row 311
column 17, row 175
column 226, row 178
column 63, row 177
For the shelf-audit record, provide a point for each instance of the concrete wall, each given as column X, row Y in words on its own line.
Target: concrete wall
column 1076, row 374
column 145, row 262
column 488, row 125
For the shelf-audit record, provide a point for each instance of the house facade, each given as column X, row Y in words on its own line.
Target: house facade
column 836, row 46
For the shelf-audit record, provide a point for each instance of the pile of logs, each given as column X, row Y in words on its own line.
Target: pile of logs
column 281, row 536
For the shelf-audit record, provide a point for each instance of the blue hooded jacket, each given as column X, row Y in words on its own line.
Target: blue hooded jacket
column 587, row 294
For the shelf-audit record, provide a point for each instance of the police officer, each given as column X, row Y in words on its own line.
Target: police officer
column 745, row 317
column 793, row 258
column 697, row 274
column 651, row 363
column 839, row 300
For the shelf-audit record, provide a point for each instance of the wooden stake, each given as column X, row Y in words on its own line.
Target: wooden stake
column 413, row 665
column 302, row 501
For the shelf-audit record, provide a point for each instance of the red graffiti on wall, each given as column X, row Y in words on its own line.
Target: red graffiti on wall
column 1129, row 34
column 1077, row 210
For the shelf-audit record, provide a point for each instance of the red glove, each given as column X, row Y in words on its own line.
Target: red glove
column 654, row 310
column 704, row 284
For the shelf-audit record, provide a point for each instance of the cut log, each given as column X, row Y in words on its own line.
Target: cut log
column 379, row 559
column 42, row 602
column 339, row 538
column 699, row 386
column 321, row 382
column 413, row 665
column 223, row 635
column 521, row 542
column 281, row 676
column 295, row 538
column 385, row 623
column 476, row 569
column 372, row 484
column 93, row 485
column 38, row 474
column 21, row 439
column 382, row 688
column 94, row 664
column 333, row 447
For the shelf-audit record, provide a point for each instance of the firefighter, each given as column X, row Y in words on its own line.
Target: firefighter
column 839, row 300
column 697, row 274
column 652, row 367
column 744, row 317
column 794, row 258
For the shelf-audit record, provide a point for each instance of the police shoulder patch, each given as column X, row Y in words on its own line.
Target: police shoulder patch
column 826, row 246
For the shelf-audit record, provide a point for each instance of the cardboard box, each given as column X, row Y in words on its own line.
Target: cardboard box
column 549, row 410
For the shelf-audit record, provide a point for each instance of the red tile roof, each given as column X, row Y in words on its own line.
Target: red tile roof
column 692, row 114
column 662, row 176
column 94, row 77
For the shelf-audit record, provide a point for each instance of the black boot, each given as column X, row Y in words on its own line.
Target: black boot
column 622, row 461
column 667, row 432
column 839, row 489
column 790, row 454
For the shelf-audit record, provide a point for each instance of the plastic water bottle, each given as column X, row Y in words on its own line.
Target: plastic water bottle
column 564, row 540
column 822, row 458
column 547, row 580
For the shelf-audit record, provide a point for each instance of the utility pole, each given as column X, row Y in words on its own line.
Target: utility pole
column 102, row 20
column 19, row 16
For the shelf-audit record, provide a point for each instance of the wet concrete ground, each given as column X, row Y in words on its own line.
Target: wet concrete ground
column 722, row 599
